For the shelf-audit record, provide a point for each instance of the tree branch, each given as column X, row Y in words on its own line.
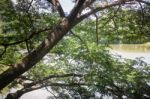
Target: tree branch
column 30, row 36
column 73, row 14
column 82, row 17
column 52, row 76
column 4, row 51
column 40, row 83
column 56, row 4
column 145, row 2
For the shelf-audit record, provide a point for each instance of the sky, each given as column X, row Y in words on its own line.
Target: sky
column 67, row 5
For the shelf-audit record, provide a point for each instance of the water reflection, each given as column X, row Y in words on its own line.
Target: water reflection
column 133, row 48
column 132, row 51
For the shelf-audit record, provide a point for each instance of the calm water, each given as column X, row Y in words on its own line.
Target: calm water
column 132, row 48
column 132, row 51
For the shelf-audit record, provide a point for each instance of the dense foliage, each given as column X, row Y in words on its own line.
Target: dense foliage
column 80, row 65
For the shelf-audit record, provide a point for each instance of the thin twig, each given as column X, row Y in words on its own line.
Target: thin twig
column 51, row 92
column 4, row 51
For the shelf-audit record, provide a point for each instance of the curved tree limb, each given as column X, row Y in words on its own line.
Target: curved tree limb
column 39, row 84
column 52, row 76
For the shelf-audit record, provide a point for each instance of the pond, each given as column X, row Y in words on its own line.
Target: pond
column 132, row 51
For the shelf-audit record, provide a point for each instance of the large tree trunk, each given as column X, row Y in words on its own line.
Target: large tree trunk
column 30, row 60
column 35, row 56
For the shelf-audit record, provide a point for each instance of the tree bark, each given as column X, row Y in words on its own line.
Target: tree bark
column 35, row 56
column 30, row 60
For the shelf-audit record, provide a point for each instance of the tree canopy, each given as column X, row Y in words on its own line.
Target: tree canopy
column 41, row 46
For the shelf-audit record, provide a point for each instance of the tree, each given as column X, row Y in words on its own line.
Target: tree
column 54, row 33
